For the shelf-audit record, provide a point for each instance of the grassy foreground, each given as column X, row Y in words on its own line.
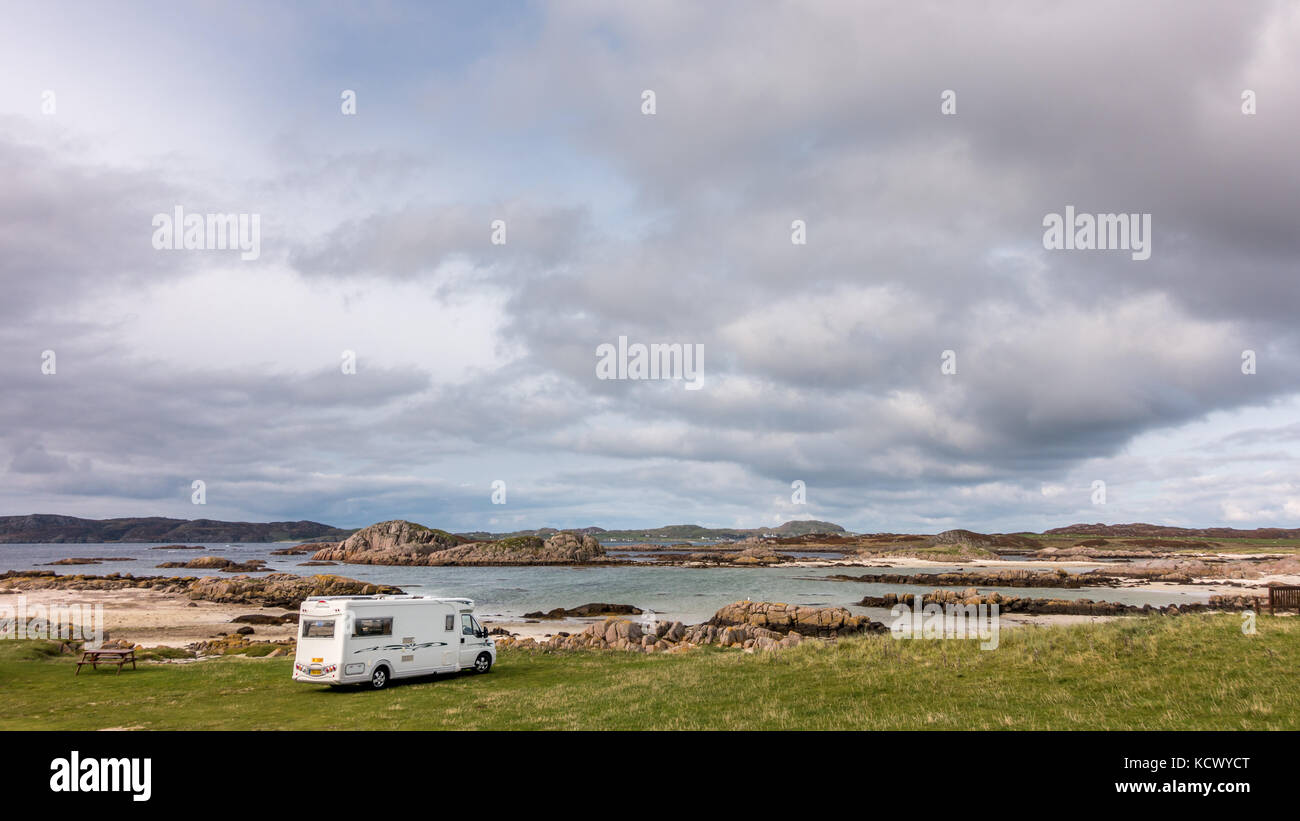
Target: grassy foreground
column 1184, row 672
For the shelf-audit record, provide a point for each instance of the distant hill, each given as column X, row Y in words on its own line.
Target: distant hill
column 543, row 532
column 803, row 527
column 1142, row 530
column 696, row 532
column 42, row 528
column 667, row 532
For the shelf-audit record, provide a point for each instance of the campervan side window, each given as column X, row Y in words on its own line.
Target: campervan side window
column 318, row 629
column 451, row 622
column 376, row 626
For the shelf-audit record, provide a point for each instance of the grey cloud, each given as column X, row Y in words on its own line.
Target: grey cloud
column 822, row 361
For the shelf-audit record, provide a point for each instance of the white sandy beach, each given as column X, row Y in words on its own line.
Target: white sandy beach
column 153, row 619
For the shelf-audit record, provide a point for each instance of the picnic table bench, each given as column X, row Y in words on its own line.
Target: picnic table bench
column 117, row 655
column 1283, row 596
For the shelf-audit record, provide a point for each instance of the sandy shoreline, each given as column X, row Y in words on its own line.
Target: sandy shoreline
column 154, row 619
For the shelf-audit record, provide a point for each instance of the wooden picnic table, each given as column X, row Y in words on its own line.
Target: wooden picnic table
column 116, row 655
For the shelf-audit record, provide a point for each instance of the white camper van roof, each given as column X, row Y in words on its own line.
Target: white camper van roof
column 391, row 597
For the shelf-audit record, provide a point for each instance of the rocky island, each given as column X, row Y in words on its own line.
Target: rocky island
column 399, row 542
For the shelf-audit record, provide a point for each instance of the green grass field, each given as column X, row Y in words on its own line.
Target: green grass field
column 1184, row 672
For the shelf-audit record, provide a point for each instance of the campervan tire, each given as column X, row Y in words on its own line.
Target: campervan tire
column 379, row 678
column 483, row 663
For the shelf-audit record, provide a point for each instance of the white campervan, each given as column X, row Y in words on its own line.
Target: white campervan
column 358, row 639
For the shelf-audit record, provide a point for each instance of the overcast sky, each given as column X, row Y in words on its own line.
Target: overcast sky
column 822, row 362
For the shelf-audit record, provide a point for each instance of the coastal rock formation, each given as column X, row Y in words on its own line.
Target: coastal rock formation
column 962, row 538
column 821, row 541
column 395, row 542
column 1061, row 607
column 967, row 540
column 1190, row 570
column 623, row 634
column 220, row 563
column 562, row 548
column 405, row 543
column 581, row 546
column 1011, row 604
column 1085, row 553
column 744, row 625
column 755, row 553
column 1000, row 578
column 281, row 589
column 302, row 549
column 825, row 622
column 265, row 618
column 91, row 560
column 19, row 580
column 274, row 590
column 237, row 644
column 761, row 553
column 586, row 611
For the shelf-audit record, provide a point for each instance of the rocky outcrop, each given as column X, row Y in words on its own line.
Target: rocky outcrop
column 265, row 618
column 92, row 560
column 962, row 538
column 281, row 589
column 578, row 546
column 404, row 543
column 19, row 580
column 1086, row 553
column 562, row 548
column 274, row 590
column 826, row 622
column 751, row 552
column 755, row 553
column 1000, row 578
column 395, row 542
column 586, row 611
column 664, row 636
column 237, row 644
column 744, row 625
column 302, row 549
column 220, row 563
